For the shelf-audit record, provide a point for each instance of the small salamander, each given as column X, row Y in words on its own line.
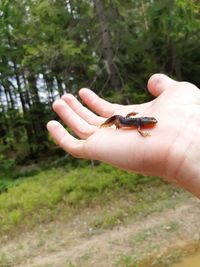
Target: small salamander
column 121, row 121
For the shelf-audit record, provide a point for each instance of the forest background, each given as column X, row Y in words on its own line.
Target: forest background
column 51, row 47
column 51, row 202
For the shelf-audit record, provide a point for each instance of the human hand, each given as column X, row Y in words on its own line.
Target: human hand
column 172, row 149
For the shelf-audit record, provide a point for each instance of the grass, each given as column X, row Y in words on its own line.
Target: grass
column 5, row 260
column 170, row 256
column 138, row 204
column 149, row 233
column 41, row 197
column 127, row 261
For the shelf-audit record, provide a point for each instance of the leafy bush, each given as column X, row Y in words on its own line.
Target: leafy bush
column 5, row 184
column 41, row 197
column 7, row 166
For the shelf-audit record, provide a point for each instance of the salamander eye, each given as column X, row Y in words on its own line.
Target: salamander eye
column 153, row 120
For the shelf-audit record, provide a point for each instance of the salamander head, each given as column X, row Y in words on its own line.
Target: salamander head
column 148, row 121
column 153, row 120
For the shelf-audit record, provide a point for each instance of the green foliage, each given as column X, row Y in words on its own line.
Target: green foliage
column 5, row 184
column 128, row 261
column 7, row 167
column 50, row 47
column 5, row 260
column 41, row 197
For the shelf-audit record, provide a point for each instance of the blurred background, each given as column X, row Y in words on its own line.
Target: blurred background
column 48, row 48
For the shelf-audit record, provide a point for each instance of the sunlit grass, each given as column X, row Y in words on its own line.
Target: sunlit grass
column 5, row 260
column 42, row 197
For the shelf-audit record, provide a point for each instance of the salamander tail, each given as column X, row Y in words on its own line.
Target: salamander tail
column 109, row 122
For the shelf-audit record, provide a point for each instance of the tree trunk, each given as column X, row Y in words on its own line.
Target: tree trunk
column 107, row 46
column 33, row 89
column 27, row 126
column 36, row 116
column 176, row 65
column 59, row 83
column 50, row 88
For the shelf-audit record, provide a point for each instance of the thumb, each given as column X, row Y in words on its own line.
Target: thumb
column 158, row 83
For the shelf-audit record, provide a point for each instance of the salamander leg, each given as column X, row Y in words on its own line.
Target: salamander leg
column 144, row 134
column 118, row 124
column 131, row 114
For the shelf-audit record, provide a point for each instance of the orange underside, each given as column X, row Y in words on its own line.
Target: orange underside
column 135, row 127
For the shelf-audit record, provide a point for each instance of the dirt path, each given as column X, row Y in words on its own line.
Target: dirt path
column 75, row 244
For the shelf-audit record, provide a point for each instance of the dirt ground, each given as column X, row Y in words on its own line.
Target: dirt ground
column 75, row 243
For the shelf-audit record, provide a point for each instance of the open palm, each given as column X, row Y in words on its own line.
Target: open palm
column 168, row 150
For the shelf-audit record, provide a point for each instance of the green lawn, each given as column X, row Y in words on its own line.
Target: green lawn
column 46, row 195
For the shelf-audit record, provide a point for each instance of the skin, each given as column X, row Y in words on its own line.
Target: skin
column 172, row 149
